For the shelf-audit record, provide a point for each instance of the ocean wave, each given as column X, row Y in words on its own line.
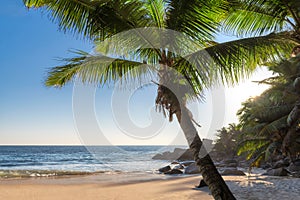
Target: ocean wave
column 4, row 174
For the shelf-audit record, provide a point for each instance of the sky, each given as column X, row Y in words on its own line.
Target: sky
column 32, row 114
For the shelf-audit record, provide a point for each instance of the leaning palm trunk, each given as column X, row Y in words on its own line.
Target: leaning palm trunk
column 171, row 98
column 210, row 174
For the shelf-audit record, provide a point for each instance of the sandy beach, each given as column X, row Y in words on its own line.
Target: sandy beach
column 182, row 187
column 83, row 188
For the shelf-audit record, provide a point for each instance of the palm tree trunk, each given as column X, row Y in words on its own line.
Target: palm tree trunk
column 210, row 174
column 172, row 98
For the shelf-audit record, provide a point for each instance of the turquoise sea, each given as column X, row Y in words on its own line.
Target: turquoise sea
column 35, row 161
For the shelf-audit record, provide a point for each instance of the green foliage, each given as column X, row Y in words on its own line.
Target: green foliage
column 99, row 70
column 198, row 20
column 263, row 120
column 259, row 17
column 227, row 141
column 96, row 20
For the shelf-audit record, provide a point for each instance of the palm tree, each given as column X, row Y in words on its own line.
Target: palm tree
column 227, row 141
column 269, row 122
column 198, row 20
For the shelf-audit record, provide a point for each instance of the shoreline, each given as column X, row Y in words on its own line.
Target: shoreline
column 94, row 178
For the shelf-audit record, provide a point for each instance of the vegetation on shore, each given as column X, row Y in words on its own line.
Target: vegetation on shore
column 269, row 124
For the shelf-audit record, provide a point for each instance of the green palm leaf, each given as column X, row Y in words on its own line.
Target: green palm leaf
column 258, row 17
column 157, row 12
column 94, row 19
column 251, row 145
column 99, row 70
column 237, row 59
column 197, row 18
column 274, row 126
column 270, row 113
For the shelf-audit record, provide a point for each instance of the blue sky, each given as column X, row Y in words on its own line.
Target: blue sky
column 30, row 44
column 30, row 113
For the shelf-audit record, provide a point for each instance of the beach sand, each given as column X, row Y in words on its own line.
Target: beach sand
column 115, row 187
column 73, row 189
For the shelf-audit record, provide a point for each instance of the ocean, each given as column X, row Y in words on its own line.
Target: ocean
column 37, row 161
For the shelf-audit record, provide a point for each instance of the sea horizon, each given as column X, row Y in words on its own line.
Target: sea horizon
column 59, row 160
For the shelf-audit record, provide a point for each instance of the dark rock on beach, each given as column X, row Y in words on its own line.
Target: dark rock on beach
column 192, row 169
column 230, row 163
column 294, row 167
column 179, row 166
column 233, row 172
column 281, row 163
column 187, row 163
column 164, row 169
column 266, row 166
column 277, row 172
column 174, row 171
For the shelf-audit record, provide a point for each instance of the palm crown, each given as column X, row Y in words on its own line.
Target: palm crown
column 198, row 20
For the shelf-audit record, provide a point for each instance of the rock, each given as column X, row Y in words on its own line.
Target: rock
column 294, row 167
column 266, row 166
column 228, row 163
column 177, row 154
column 233, row 172
column 178, row 167
column 231, row 165
column 287, row 160
column 192, row 169
column 297, row 162
column 174, row 171
column 175, row 163
column 277, row 172
column 186, row 155
column 280, row 163
column 244, row 164
column 166, row 155
column 158, row 157
column 187, row 163
column 164, row 169
column 296, row 84
column 220, row 165
column 201, row 184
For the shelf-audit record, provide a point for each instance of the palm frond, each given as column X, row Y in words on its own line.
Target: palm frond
column 251, row 145
column 148, row 43
column 197, row 18
column 252, row 129
column 290, row 68
column 157, row 12
column 257, row 17
column 235, row 60
column 100, row 70
column 274, row 126
column 270, row 113
column 94, row 19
